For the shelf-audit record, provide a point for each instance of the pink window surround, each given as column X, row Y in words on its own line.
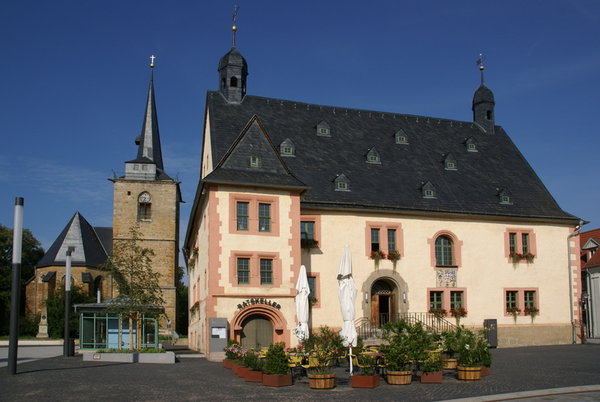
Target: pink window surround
column 446, row 298
column 383, row 237
column 520, row 299
column 519, row 239
column 456, row 248
column 317, row 294
column 317, row 221
column 255, row 257
column 253, row 201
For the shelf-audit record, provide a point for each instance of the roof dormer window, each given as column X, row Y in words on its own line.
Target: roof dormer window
column 471, row 144
column 401, row 137
column 373, row 156
column 505, row 197
column 342, row 183
column 323, row 129
column 287, row 148
column 428, row 190
column 450, row 162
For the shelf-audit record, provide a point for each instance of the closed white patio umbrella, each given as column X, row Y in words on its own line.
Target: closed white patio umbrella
column 347, row 295
column 302, row 310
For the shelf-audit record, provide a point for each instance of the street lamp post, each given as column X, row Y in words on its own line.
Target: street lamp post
column 67, row 351
column 16, row 286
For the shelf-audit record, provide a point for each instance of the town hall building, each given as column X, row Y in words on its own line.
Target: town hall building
column 439, row 215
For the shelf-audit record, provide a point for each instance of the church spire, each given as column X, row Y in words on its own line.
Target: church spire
column 148, row 164
column 233, row 70
column 483, row 103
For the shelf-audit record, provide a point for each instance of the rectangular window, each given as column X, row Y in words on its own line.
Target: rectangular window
column 436, row 299
column 242, row 215
column 525, row 243
column 266, row 271
column 254, row 161
column 391, row 233
column 511, row 299
column 529, row 298
column 512, row 243
column 264, row 217
column 307, row 230
column 374, row 239
column 312, row 282
column 243, row 271
column 456, row 299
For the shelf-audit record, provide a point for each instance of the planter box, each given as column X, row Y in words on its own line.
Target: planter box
column 254, row 376
column 273, row 380
column 228, row 364
column 111, row 357
column 469, row 373
column 365, row 381
column 158, row 358
column 435, row 377
column 450, row 364
column 321, row 381
column 242, row 371
column 485, row 371
column 399, row 377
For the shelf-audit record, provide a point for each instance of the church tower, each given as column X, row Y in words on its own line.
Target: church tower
column 233, row 71
column 147, row 198
column 483, row 104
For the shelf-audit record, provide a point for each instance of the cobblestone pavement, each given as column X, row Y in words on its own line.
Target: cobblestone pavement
column 513, row 370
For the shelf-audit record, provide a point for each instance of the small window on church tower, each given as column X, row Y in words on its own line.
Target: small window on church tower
column 144, row 207
column 233, row 82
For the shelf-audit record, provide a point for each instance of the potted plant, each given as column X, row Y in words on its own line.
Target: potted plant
column 394, row 257
column 377, row 256
column 254, row 373
column 233, row 352
column 275, row 368
column 515, row 257
column 450, row 346
column 458, row 313
column 438, row 313
column 242, row 369
column 471, row 355
column 397, row 353
column 515, row 311
column 529, row 257
column 532, row 312
column 367, row 378
column 323, row 347
column 486, row 359
column 431, row 368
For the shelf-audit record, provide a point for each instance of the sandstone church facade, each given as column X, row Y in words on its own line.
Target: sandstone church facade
column 438, row 214
column 146, row 198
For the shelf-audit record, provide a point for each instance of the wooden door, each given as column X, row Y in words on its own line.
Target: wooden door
column 257, row 332
column 375, row 311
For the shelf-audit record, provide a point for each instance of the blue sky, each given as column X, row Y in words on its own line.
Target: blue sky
column 74, row 76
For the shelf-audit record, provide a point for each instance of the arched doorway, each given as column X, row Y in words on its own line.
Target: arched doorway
column 257, row 332
column 383, row 302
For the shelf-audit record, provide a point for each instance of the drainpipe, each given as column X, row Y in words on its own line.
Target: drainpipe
column 571, row 309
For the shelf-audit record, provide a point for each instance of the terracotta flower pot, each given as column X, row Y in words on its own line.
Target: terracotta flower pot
column 365, row 381
column 321, row 381
column 275, row 380
column 399, row 377
column 469, row 373
column 242, row 371
column 253, row 376
column 435, row 377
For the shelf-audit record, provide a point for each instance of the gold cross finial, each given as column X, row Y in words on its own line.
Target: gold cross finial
column 152, row 61
column 234, row 27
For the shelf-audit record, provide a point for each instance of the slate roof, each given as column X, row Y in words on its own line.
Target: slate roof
column 92, row 245
column 394, row 184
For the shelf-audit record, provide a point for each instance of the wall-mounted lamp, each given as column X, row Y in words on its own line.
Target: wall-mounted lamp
column 404, row 297
column 366, row 297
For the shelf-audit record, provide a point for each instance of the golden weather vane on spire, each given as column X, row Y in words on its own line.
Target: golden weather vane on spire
column 481, row 67
column 234, row 27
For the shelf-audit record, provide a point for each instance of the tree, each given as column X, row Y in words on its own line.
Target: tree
column 182, row 303
column 139, row 290
column 55, row 306
column 32, row 252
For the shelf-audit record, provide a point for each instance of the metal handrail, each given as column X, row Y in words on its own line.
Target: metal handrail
column 367, row 328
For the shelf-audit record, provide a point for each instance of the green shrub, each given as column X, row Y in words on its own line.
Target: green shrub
column 276, row 361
